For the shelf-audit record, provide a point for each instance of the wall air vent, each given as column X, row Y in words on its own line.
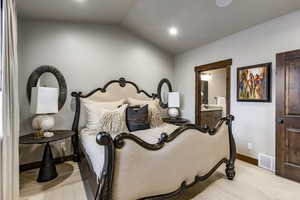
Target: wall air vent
column 266, row 162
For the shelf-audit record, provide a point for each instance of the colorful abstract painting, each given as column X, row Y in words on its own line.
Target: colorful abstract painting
column 254, row 83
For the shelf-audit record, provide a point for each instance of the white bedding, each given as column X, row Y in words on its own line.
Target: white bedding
column 96, row 152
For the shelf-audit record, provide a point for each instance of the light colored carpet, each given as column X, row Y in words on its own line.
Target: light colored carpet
column 251, row 183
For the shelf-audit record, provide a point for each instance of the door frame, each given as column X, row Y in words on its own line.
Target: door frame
column 216, row 65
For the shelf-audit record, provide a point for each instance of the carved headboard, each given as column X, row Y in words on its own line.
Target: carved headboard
column 115, row 90
column 112, row 91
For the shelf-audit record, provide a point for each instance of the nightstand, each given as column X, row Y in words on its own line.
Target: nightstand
column 47, row 170
column 177, row 121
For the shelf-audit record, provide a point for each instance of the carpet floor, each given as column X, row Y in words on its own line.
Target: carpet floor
column 250, row 183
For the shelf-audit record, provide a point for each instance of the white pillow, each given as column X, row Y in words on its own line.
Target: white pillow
column 153, row 106
column 94, row 110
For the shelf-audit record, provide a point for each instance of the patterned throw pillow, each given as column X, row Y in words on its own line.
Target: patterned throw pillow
column 137, row 118
column 114, row 121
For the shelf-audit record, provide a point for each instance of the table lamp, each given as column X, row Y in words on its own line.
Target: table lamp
column 44, row 102
column 173, row 104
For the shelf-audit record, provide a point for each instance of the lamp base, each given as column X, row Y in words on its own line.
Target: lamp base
column 173, row 112
column 43, row 122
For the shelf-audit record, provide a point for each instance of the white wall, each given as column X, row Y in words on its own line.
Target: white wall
column 255, row 122
column 88, row 56
column 1, row 129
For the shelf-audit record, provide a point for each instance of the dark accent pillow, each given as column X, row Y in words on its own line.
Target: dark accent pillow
column 137, row 118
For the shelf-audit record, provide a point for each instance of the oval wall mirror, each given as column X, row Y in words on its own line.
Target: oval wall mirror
column 47, row 79
column 163, row 89
column 51, row 77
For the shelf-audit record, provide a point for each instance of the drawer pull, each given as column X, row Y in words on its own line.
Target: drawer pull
column 296, row 130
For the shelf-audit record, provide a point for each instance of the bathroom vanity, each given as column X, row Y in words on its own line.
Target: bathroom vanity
column 210, row 116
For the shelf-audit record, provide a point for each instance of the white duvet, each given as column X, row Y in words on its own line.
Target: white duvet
column 96, row 151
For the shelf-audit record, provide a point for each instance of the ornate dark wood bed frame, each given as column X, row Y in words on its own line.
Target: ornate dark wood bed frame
column 102, row 189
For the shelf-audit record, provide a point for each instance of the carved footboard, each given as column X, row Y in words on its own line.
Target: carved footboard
column 135, row 169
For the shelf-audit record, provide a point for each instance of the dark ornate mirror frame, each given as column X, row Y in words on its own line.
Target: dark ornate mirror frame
column 159, row 88
column 35, row 76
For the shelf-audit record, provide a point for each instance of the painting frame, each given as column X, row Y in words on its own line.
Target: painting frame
column 267, row 83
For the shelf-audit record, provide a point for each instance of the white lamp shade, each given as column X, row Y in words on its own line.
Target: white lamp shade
column 44, row 100
column 174, row 100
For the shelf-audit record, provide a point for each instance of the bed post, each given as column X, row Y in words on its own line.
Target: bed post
column 230, row 170
column 75, row 138
column 104, row 191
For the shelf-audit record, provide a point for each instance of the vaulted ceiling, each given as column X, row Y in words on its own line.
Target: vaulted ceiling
column 198, row 21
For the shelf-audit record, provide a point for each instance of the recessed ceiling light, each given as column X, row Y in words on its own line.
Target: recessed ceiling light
column 223, row 3
column 173, row 31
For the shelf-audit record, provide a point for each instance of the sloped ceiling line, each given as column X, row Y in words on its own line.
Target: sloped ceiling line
column 199, row 21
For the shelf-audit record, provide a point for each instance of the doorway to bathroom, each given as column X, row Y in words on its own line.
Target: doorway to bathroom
column 212, row 93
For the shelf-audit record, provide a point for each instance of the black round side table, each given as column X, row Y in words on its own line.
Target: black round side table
column 176, row 121
column 47, row 170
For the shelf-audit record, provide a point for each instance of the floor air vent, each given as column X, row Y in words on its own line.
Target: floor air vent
column 266, row 162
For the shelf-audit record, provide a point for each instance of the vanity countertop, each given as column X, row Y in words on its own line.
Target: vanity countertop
column 210, row 109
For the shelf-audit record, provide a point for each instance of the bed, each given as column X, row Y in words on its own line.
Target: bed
column 156, row 163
